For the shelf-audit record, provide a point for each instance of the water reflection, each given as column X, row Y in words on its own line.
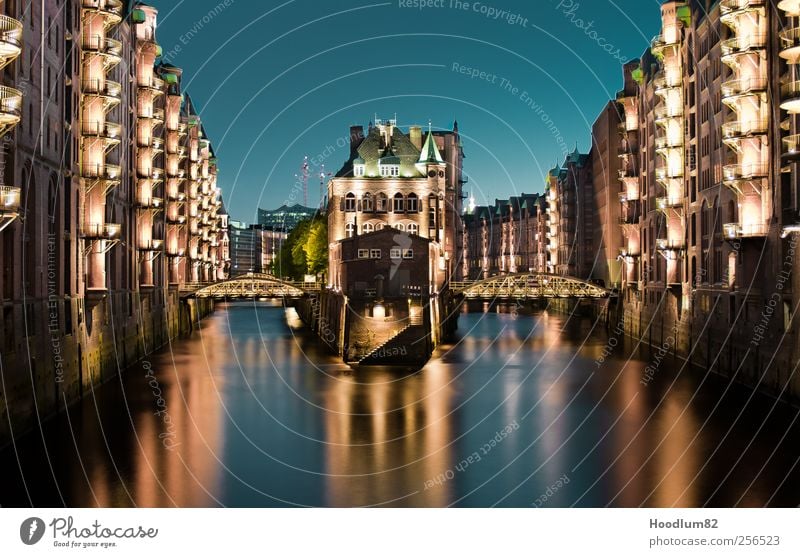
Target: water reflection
column 255, row 413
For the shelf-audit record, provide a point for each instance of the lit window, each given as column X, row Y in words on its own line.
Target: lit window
column 408, row 254
column 382, row 203
column 399, row 203
column 413, row 229
column 369, row 227
column 359, row 170
column 363, row 254
column 367, row 205
column 374, row 254
column 390, row 170
column 395, row 253
column 350, row 229
column 350, row 203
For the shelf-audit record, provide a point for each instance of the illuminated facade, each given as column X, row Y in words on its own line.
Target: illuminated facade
column 709, row 188
column 410, row 182
column 507, row 237
column 109, row 197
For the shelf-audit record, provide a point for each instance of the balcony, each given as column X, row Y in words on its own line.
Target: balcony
column 666, row 143
column 743, row 45
column 629, row 219
column 790, row 97
column 10, row 40
column 151, row 203
column 108, row 131
column 746, row 128
column 9, row 205
column 743, row 86
column 732, row 9
column 109, row 10
column 102, row 231
column 157, row 145
column 791, row 148
column 736, row 231
column 629, row 253
column 175, row 252
column 107, row 175
column 176, row 220
column 109, row 49
column 153, row 85
column 664, row 173
column 790, row 45
column 662, row 84
column 791, row 7
column 10, row 108
column 741, row 172
column 663, row 244
column 665, row 113
column 109, row 91
column 627, row 173
column 660, row 43
column 670, row 202
column 151, row 245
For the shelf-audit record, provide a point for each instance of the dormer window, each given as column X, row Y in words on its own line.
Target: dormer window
column 390, row 170
column 359, row 170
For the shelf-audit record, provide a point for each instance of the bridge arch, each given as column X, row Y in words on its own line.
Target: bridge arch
column 530, row 286
column 253, row 285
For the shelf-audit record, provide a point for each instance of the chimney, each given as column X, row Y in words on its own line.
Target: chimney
column 356, row 137
column 415, row 133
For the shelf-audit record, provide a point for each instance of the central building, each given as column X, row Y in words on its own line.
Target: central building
column 396, row 235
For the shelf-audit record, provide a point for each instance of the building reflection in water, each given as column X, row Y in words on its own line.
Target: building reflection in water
column 260, row 415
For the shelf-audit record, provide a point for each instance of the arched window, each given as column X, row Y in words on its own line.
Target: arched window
column 412, row 204
column 400, row 226
column 350, row 229
column 413, row 228
column 368, row 204
column 399, row 203
column 350, row 203
column 382, row 203
column 369, row 227
column 380, row 226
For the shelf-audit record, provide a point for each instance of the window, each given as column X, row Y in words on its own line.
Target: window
column 359, row 170
column 399, row 203
column 350, row 203
column 395, row 253
column 350, row 229
column 374, row 254
column 413, row 229
column 380, row 226
column 368, row 204
column 381, row 203
column 363, row 254
column 369, row 227
column 412, row 204
column 390, row 170
column 400, row 226
column 408, row 254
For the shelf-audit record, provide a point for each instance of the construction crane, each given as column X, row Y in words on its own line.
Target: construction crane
column 303, row 177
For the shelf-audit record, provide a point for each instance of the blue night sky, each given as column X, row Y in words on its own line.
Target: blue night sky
column 275, row 81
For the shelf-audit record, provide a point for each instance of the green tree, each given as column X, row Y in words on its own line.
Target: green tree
column 305, row 251
column 316, row 247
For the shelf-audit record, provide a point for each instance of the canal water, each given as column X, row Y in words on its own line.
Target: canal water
column 523, row 409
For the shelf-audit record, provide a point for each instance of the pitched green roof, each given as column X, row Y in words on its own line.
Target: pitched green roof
column 430, row 152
